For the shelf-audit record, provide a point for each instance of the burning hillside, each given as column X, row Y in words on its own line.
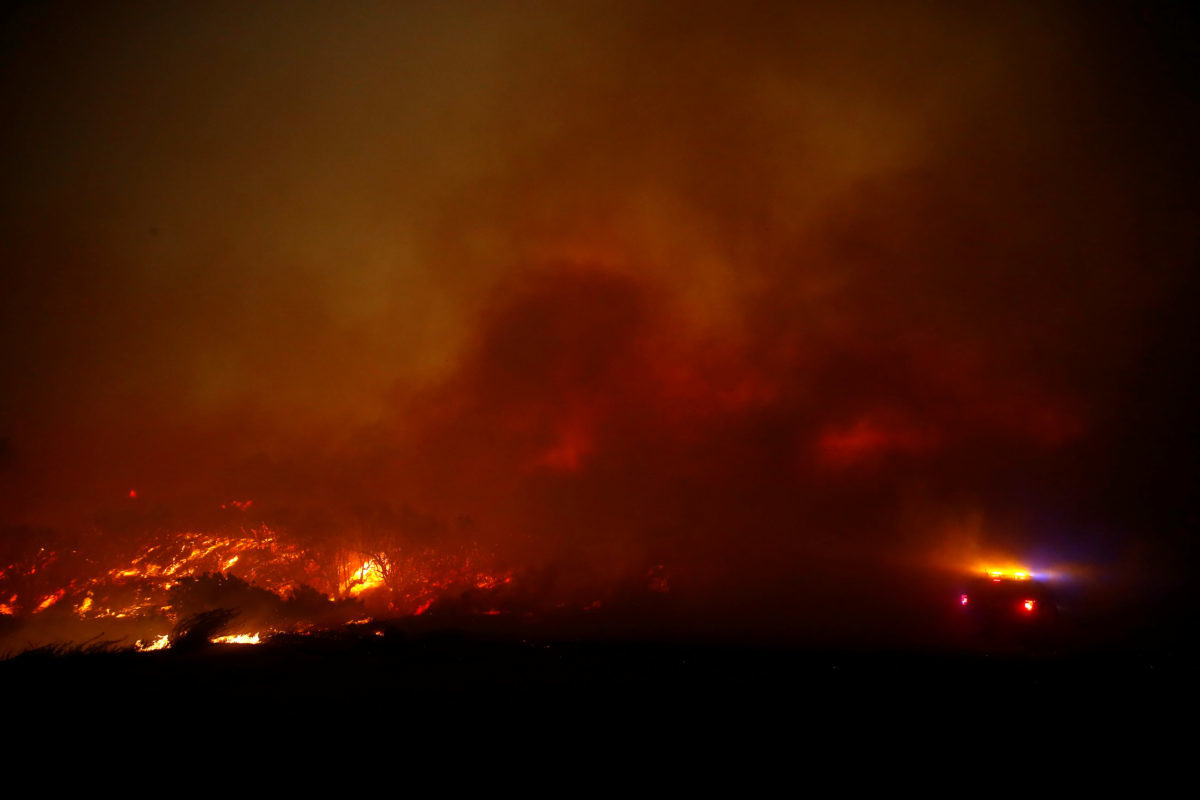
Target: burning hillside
column 269, row 583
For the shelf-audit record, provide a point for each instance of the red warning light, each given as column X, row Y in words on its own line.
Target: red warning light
column 132, row 494
column 963, row 600
column 1028, row 605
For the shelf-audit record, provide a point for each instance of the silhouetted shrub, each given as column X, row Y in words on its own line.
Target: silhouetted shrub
column 195, row 631
column 193, row 596
column 60, row 650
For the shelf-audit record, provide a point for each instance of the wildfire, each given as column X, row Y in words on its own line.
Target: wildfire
column 157, row 643
column 265, row 579
column 368, row 575
column 263, row 556
column 50, row 600
column 413, row 582
column 406, row 582
column 241, row 638
column 141, row 586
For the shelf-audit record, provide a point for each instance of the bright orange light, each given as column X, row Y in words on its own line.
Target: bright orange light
column 139, row 584
column 368, row 575
column 1007, row 572
column 1029, row 604
column 241, row 638
column 50, row 600
column 157, row 643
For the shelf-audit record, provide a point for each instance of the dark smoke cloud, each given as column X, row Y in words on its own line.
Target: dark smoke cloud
column 778, row 296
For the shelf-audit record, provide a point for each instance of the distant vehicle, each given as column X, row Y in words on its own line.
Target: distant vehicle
column 1007, row 602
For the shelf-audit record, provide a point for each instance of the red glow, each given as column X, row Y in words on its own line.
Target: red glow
column 1029, row 605
column 132, row 494
column 717, row 381
column 963, row 600
column 573, row 445
column 869, row 437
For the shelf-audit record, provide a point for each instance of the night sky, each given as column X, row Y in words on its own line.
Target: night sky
column 787, row 298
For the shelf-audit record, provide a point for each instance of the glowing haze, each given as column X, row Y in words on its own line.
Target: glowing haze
column 759, row 299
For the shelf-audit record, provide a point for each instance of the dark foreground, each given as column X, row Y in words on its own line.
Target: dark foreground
column 480, row 688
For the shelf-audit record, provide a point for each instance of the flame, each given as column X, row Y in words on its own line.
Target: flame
column 368, row 575
column 241, row 638
column 137, row 587
column 50, row 600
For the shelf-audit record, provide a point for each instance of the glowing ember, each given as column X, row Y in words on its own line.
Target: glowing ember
column 658, row 580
